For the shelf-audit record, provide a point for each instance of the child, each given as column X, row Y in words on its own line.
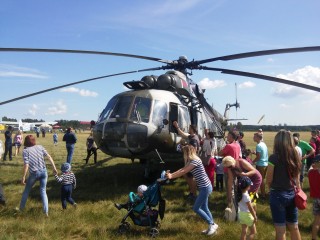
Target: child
column 55, row 138
column 91, row 148
column 68, row 181
column 134, row 199
column 247, row 215
column 219, row 174
column 314, row 179
column 18, row 142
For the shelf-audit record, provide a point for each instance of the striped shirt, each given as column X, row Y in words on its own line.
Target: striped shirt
column 34, row 157
column 200, row 174
column 67, row 179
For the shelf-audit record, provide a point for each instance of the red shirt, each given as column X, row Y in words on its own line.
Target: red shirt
column 314, row 182
column 318, row 145
column 233, row 150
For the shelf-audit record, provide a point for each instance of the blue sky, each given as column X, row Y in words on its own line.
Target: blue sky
column 167, row 29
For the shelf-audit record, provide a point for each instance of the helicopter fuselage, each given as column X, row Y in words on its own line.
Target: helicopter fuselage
column 138, row 123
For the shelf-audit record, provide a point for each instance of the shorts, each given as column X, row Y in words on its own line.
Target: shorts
column 316, row 206
column 17, row 144
column 246, row 218
column 283, row 208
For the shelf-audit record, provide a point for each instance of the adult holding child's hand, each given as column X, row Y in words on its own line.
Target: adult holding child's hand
column 34, row 163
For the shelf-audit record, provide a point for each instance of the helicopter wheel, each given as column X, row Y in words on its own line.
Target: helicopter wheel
column 154, row 232
column 123, row 228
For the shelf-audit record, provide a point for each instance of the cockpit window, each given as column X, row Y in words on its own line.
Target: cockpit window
column 141, row 110
column 107, row 111
column 159, row 112
column 121, row 109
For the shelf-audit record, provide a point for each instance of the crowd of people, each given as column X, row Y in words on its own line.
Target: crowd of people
column 245, row 172
column 246, row 175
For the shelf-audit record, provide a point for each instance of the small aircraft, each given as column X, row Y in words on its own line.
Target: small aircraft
column 26, row 126
column 138, row 123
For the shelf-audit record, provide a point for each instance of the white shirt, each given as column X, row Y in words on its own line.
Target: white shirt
column 243, row 203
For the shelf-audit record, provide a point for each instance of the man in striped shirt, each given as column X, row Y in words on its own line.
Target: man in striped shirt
column 68, row 182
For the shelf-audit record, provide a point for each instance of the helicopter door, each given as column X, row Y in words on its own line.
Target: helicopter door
column 184, row 118
column 173, row 116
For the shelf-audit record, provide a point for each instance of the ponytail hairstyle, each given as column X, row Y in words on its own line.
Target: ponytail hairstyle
column 285, row 150
column 243, row 183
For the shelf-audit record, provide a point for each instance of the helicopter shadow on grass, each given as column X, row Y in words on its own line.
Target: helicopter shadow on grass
column 98, row 182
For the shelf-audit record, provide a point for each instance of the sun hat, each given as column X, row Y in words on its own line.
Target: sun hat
column 142, row 188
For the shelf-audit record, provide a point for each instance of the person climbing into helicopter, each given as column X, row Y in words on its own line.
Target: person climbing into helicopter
column 193, row 139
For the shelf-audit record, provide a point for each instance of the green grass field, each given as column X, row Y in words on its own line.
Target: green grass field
column 99, row 186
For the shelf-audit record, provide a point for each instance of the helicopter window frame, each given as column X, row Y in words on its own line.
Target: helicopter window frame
column 184, row 119
column 108, row 109
column 121, row 108
column 141, row 109
column 159, row 112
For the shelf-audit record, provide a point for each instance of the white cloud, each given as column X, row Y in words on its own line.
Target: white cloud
column 14, row 71
column 308, row 75
column 247, row 84
column 283, row 105
column 211, row 84
column 81, row 92
column 33, row 110
column 59, row 108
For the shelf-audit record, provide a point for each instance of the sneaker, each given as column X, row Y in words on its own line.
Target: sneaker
column 205, row 231
column 118, row 206
column 75, row 205
column 212, row 229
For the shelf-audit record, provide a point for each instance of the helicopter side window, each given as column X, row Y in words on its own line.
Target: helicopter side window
column 184, row 118
column 159, row 112
column 121, row 108
column 141, row 110
column 107, row 111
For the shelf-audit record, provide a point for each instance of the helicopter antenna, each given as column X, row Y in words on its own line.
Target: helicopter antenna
column 237, row 104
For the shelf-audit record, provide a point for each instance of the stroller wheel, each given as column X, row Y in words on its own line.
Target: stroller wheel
column 124, row 227
column 154, row 232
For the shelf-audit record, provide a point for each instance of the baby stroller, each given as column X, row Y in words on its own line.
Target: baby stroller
column 143, row 213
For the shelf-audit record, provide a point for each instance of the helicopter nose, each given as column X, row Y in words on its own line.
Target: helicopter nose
column 137, row 136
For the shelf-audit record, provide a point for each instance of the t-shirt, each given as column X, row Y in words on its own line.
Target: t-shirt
column 243, row 207
column 194, row 141
column 199, row 174
column 34, row 156
column 263, row 150
column 314, row 180
column 8, row 136
column 317, row 145
column 231, row 149
column 281, row 180
column 305, row 148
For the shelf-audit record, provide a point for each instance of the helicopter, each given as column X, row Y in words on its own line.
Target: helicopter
column 138, row 123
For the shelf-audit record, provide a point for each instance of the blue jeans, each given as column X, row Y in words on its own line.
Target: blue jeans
column 42, row 176
column 201, row 204
column 283, row 208
column 70, row 149
column 66, row 192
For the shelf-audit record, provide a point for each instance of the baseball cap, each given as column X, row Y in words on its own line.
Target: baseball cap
column 244, row 182
column 142, row 188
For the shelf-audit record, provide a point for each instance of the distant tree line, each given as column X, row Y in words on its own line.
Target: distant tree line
column 273, row 128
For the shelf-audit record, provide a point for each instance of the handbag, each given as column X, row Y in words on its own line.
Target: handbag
column 300, row 198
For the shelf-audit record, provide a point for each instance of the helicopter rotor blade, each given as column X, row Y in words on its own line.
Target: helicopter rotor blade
column 260, row 76
column 258, row 53
column 84, row 52
column 74, row 83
